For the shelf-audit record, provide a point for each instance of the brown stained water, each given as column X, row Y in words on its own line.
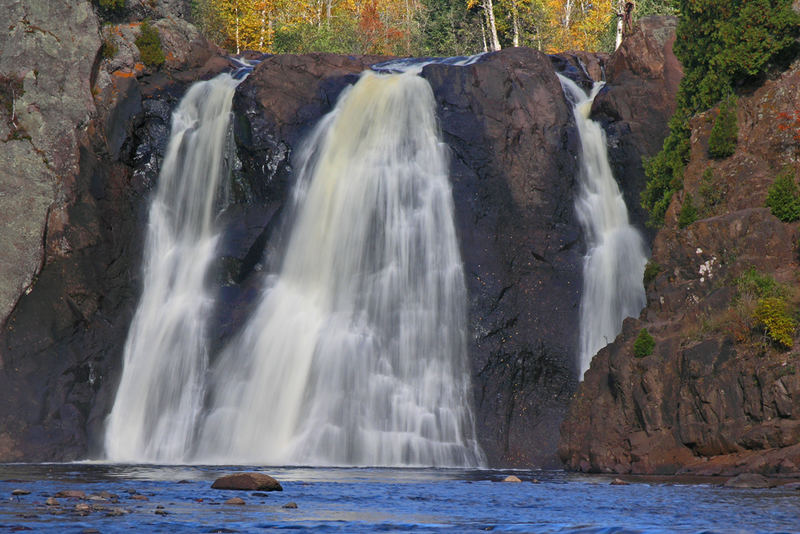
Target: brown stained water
column 148, row 498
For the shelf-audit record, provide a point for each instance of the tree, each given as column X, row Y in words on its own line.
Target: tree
column 491, row 25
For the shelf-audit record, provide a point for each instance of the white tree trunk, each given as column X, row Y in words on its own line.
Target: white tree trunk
column 515, row 21
column 620, row 22
column 488, row 8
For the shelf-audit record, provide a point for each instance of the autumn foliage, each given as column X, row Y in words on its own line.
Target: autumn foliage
column 412, row 27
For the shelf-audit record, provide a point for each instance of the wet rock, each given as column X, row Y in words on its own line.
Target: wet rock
column 259, row 494
column 235, row 500
column 139, row 498
column 749, row 480
column 618, row 482
column 512, row 478
column 51, row 501
column 20, row 492
column 83, row 508
column 247, row 482
column 160, row 511
column 71, row 494
column 290, row 505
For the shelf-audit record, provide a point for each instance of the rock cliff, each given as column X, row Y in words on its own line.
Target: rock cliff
column 717, row 396
column 79, row 141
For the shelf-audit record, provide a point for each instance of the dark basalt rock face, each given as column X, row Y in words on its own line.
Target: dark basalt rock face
column 513, row 171
column 715, row 397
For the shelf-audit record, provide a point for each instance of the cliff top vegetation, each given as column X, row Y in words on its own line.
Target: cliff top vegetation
column 725, row 47
column 416, row 27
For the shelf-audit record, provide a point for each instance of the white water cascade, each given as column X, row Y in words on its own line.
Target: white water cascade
column 357, row 353
column 161, row 392
column 616, row 255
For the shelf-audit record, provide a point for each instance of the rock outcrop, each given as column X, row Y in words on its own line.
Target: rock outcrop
column 513, row 172
column 79, row 136
column 716, row 396
column 634, row 106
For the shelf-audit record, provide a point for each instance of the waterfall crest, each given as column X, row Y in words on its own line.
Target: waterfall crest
column 357, row 352
column 161, row 392
column 616, row 254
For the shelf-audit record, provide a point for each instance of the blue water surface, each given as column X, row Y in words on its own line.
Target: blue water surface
column 180, row 499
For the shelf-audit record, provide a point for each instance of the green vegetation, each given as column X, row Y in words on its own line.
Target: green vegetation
column 688, row 213
column 109, row 49
column 764, row 304
column 149, row 45
column 110, row 5
column 724, row 133
column 722, row 45
column 712, row 193
column 783, row 197
column 644, row 344
column 651, row 270
column 753, row 283
column 773, row 316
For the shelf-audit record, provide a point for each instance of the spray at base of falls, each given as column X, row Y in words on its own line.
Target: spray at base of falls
column 613, row 269
column 357, row 352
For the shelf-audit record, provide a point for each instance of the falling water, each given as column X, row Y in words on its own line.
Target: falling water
column 616, row 256
column 161, row 392
column 356, row 354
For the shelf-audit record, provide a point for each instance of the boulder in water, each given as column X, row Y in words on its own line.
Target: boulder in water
column 619, row 482
column 512, row 478
column 290, row 505
column 235, row 500
column 247, row 482
column 71, row 494
column 750, row 481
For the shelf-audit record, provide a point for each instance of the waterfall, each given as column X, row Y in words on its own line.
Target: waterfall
column 614, row 264
column 161, row 392
column 357, row 352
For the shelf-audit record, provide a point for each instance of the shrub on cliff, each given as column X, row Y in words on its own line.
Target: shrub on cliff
column 754, row 284
column 688, row 213
column 773, row 316
column 149, row 45
column 724, row 133
column 651, row 271
column 110, row 5
column 783, row 197
column 644, row 344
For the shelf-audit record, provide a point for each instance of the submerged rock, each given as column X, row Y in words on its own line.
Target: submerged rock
column 71, row 494
column 290, row 505
column 749, row 480
column 247, row 482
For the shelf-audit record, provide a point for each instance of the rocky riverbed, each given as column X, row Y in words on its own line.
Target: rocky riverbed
column 86, row 498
